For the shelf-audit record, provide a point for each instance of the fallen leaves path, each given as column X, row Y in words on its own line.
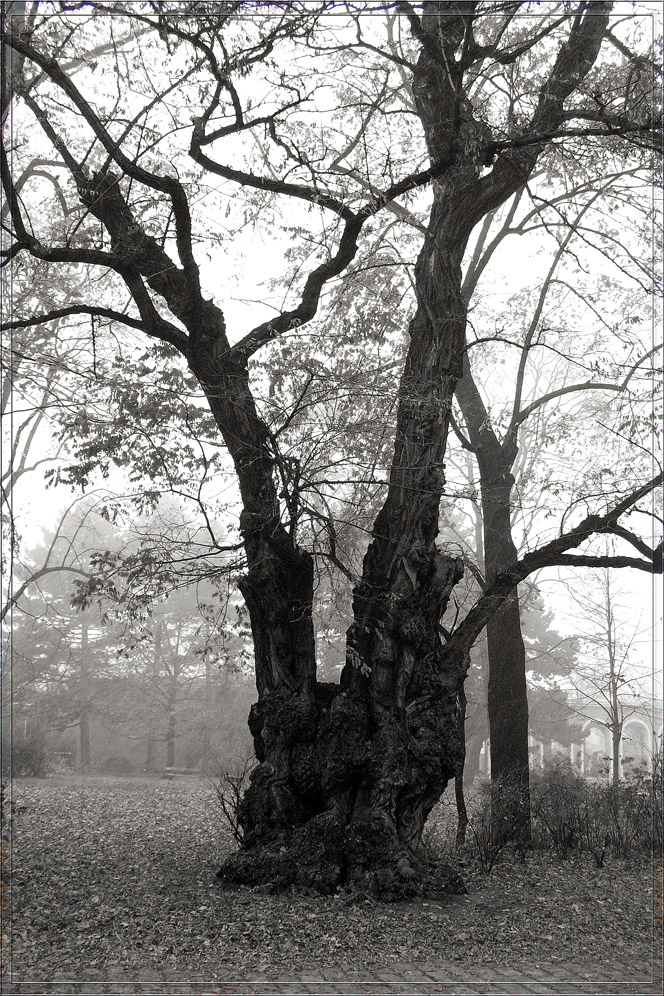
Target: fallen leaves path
column 118, row 876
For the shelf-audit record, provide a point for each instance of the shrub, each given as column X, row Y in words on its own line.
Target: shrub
column 627, row 814
column 594, row 830
column 116, row 766
column 441, row 825
column 649, row 819
column 557, row 799
column 29, row 758
column 229, row 786
column 490, row 828
column 596, row 816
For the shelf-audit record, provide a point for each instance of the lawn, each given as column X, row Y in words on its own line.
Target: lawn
column 121, row 872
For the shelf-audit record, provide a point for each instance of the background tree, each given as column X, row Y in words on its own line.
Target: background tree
column 123, row 671
column 496, row 447
column 610, row 685
column 61, row 658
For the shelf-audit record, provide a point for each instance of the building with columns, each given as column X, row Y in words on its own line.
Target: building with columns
column 592, row 757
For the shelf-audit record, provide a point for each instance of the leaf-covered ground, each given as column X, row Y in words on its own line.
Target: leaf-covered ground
column 111, row 872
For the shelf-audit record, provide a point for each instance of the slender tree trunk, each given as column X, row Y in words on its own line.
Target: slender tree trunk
column 473, row 751
column 171, row 709
column 150, row 749
column 462, row 814
column 170, row 737
column 616, row 717
column 84, row 692
column 84, row 739
column 616, row 739
column 149, row 753
column 507, row 697
column 207, row 729
column 476, row 723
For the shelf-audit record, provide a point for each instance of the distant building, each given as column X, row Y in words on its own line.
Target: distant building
column 592, row 756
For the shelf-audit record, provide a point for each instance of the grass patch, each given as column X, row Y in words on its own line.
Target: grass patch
column 110, row 871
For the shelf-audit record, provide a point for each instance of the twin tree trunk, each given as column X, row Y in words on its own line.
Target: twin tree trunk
column 348, row 773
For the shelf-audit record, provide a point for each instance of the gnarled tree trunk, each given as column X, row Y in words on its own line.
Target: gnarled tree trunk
column 348, row 774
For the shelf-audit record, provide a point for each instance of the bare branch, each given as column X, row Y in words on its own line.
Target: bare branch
column 585, row 560
column 42, row 572
column 552, row 554
column 585, row 386
column 574, row 61
column 168, row 185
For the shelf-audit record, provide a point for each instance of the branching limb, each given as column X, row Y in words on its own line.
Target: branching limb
column 466, row 444
column 555, row 553
column 165, row 184
column 246, row 179
column 575, row 59
column 346, row 251
column 25, row 239
column 74, row 309
column 584, row 386
column 153, row 323
column 585, row 560
column 479, row 53
column 42, row 572
column 537, row 313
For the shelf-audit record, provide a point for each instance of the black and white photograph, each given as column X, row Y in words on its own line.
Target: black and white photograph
column 331, row 497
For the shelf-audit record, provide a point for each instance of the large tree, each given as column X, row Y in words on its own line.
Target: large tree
column 348, row 772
